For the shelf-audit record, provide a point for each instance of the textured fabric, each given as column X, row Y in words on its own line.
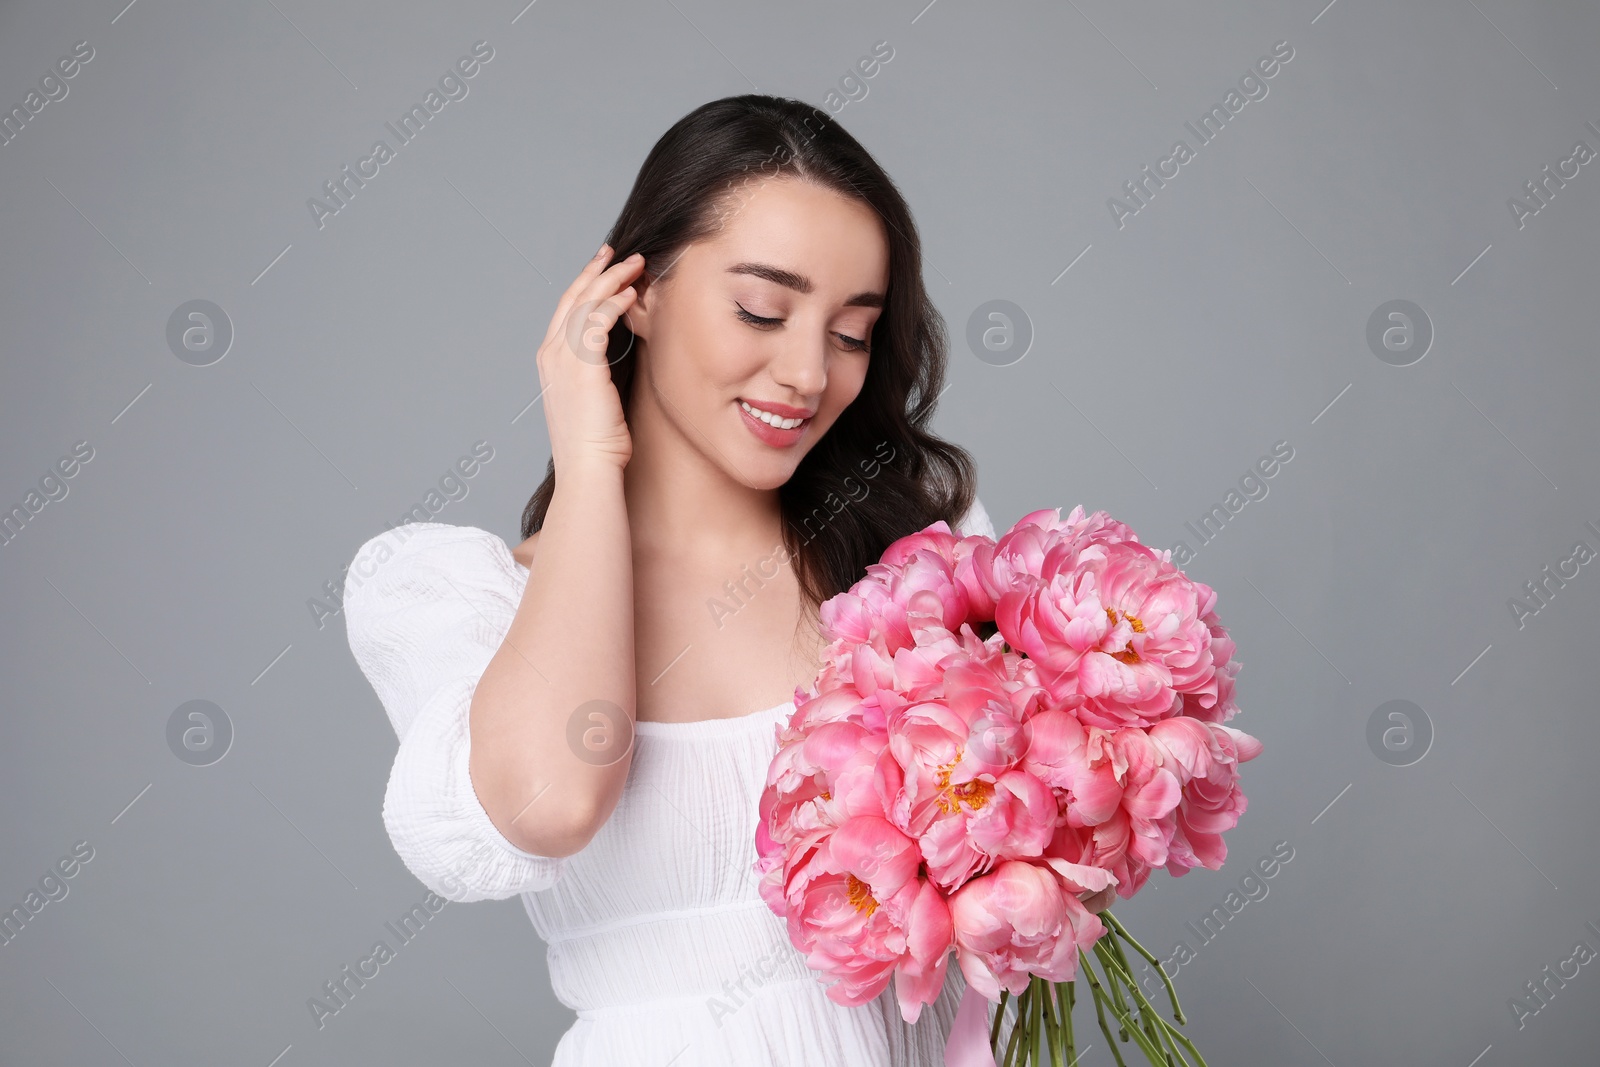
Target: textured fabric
column 656, row 936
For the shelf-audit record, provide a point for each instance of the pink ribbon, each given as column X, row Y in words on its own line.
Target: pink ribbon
column 968, row 1045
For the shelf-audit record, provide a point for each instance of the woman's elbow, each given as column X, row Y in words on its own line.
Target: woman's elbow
column 555, row 838
column 542, row 820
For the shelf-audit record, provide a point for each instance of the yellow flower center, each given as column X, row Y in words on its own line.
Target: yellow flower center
column 860, row 895
column 1126, row 655
column 975, row 794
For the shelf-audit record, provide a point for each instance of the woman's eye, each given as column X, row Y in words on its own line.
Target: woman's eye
column 755, row 320
column 854, row 344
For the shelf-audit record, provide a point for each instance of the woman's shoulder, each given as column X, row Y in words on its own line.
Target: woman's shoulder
column 405, row 555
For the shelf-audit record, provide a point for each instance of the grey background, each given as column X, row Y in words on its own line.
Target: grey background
column 1228, row 314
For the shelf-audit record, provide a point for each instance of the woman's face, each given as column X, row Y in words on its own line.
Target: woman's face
column 772, row 310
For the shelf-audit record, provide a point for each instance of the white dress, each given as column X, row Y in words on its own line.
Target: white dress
column 656, row 935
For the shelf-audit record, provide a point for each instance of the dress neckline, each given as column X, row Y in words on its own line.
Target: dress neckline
column 709, row 727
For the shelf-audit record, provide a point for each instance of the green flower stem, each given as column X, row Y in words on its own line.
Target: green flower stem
column 1183, row 1039
column 1017, row 1031
column 1122, row 931
column 1129, row 1027
column 999, row 1017
column 1176, row 1037
column 1064, row 999
column 1157, row 1036
column 1044, row 1011
column 1119, row 969
column 1169, row 1030
column 1146, row 1010
column 1122, row 1011
column 1052, row 1024
column 1099, row 1001
column 1036, row 994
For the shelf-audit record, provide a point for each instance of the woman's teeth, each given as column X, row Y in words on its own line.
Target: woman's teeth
column 771, row 419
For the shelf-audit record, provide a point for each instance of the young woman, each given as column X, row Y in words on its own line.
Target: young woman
column 737, row 413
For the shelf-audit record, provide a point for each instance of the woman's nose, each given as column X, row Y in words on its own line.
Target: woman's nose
column 803, row 365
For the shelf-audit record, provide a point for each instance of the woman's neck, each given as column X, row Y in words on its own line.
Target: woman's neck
column 676, row 504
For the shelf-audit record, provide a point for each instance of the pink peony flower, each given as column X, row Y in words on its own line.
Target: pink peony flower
column 1020, row 920
column 912, row 586
column 1117, row 633
column 859, row 910
column 1077, row 760
column 1214, row 700
column 1212, row 802
column 1003, row 736
column 936, row 540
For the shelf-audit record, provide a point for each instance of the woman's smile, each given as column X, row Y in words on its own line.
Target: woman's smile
column 771, row 428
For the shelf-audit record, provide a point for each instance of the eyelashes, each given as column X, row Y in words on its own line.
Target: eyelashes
column 854, row 344
column 755, row 320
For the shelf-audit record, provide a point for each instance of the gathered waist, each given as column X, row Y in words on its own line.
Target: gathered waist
column 715, row 961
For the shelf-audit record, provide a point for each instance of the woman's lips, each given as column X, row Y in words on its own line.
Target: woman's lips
column 769, row 434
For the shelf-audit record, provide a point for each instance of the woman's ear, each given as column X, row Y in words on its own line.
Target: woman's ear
column 637, row 317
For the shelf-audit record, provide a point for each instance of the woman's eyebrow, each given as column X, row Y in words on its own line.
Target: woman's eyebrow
column 800, row 283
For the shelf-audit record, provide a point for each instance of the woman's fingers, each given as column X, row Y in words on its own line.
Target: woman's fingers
column 590, row 323
column 590, row 271
column 591, row 318
column 582, row 298
column 583, row 409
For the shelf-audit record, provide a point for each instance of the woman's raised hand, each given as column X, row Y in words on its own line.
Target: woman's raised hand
column 575, row 617
column 582, row 408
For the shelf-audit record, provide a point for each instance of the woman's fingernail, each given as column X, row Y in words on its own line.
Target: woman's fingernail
column 602, row 251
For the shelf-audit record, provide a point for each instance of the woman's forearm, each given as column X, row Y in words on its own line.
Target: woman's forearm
column 570, row 643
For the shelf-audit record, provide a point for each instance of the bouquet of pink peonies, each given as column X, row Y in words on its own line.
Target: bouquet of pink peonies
column 1004, row 736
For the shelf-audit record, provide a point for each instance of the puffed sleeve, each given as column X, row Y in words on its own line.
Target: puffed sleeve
column 976, row 520
column 426, row 606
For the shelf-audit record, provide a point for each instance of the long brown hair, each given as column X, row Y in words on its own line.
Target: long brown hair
column 878, row 473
